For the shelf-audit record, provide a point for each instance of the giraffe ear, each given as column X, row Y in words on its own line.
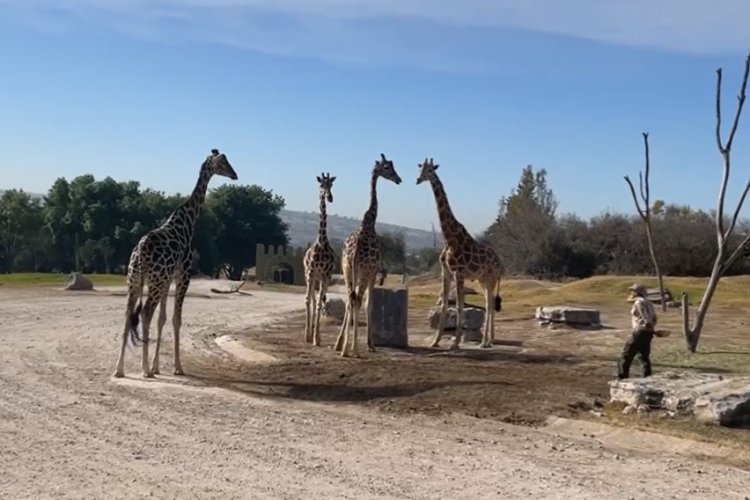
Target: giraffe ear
column 333, row 179
column 318, row 178
column 435, row 167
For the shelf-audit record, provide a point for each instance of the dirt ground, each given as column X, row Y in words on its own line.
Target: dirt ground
column 260, row 415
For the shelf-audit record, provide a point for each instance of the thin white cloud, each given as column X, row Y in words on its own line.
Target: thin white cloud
column 429, row 33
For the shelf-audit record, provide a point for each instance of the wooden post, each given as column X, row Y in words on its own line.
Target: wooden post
column 389, row 317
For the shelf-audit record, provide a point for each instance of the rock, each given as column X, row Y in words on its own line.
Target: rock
column 652, row 295
column 77, row 281
column 570, row 315
column 334, row 308
column 728, row 406
column 709, row 398
column 473, row 318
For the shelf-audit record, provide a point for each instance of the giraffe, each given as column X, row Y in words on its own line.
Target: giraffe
column 161, row 256
column 462, row 258
column 360, row 261
column 319, row 262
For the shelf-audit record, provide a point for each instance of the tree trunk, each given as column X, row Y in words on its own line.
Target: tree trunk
column 693, row 334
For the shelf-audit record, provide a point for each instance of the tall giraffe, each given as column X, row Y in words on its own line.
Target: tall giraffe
column 319, row 263
column 360, row 261
column 462, row 258
column 161, row 256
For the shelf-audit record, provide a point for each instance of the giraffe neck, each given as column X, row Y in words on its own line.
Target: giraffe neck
column 187, row 214
column 372, row 212
column 450, row 226
column 322, row 233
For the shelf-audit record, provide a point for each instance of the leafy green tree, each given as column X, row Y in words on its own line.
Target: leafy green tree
column 392, row 251
column 247, row 215
column 20, row 223
column 524, row 224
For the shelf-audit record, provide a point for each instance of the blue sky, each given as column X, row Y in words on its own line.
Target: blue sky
column 142, row 90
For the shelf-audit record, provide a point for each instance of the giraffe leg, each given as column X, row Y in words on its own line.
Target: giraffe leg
column 309, row 297
column 318, row 312
column 343, row 337
column 459, row 312
column 489, row 314
column 159, row 328
column 146, row 315
column 443, row 307
column 355, row 324
column 368, row 315
column 183, row 282
column 120, row 366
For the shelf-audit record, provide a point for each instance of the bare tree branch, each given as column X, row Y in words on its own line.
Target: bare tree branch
column 719, row 142
column 647, row 169
column 646, row 214
column 635, row 198
column 740, row 103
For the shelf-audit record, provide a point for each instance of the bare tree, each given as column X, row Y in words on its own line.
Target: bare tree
column 645, row 214
column 724, row 258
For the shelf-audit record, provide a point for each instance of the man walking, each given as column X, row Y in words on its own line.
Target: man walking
column 643, row 321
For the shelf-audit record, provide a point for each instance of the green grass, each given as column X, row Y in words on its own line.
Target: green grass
column 24, row 280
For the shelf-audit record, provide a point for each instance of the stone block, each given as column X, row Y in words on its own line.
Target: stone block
column 570, row 315
column 389, row 314
column 473, row 318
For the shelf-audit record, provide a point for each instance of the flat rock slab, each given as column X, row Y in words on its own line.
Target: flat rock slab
column 471, row 318
column 708, row 397
column 570, row 315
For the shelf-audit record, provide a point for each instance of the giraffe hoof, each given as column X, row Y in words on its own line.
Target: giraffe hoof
column 118, row 374
column 155, row 371
column 148, row 375
column 178, row 371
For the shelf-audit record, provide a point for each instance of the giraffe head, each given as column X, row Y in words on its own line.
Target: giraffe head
column 326, row 183
column 384, row 168
column 427, row 171
column 218, row 164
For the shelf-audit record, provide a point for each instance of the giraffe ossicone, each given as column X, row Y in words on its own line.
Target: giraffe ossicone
column 462, row 258
column 319, row 262
column 360, row 262
column 161, row 256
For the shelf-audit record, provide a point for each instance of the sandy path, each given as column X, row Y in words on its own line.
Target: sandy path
column 67, row 429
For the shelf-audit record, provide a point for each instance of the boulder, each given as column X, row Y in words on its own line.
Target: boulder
column 569, row 315
column 334, row 308
column 473, row 318
column 710, row 398
column 77, row 281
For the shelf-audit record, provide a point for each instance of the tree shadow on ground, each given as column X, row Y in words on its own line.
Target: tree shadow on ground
column 333, row 392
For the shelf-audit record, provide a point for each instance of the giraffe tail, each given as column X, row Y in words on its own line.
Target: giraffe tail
column 498, row 299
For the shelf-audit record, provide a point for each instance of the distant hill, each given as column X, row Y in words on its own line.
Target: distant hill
column 303, row 228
